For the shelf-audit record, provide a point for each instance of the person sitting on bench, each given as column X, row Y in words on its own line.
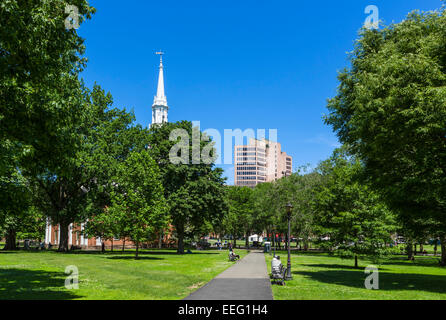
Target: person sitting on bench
column 276, row 264
column 233, row 256
column 277, row 271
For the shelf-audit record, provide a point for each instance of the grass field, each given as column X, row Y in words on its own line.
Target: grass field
column 320, row 276
column 157, row 275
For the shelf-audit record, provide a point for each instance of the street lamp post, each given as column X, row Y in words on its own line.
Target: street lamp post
column 289, row 208
column 274, row 241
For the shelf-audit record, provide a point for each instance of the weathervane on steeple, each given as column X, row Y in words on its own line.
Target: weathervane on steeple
column 160, row 53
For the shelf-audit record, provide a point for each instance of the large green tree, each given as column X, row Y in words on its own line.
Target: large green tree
column 352, row 217
column 193, row 186
column 301, row 189
column 103, row 225
column 137, row 200
column 391, row 109
column 40, row 95
column 264, row 198
column 79, row 186
column 239, row 220
column 40, row 59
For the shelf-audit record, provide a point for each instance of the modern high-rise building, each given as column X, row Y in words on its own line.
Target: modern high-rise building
column 260, row 161
column 160, row 107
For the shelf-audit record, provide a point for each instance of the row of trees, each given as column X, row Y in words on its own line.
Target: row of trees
column 390, row 114
column 332, row 207
column 68, row 156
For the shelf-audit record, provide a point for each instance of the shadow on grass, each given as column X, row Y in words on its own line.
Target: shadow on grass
column 301, row 253
column 99, row 252
column 143, row 252
column 113, row 253
column 133, row 258
column 175, row 253
column 20, row 284
column 334, row 266
column 387, row 281
column 397, row 261
column 420, row 261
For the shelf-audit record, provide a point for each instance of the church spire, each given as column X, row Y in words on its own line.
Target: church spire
column 160, row 98
column 159, row 107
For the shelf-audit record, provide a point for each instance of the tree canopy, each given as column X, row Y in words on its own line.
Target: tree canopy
column 349, row 216
column 391, row 109
column 194, row 191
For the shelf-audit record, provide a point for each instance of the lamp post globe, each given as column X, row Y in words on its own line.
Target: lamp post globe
column 289, row 208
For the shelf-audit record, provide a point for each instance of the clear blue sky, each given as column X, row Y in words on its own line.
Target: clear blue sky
column 235, row 63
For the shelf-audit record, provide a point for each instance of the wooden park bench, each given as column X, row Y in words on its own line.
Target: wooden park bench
column 278, row 274
column 233, row 256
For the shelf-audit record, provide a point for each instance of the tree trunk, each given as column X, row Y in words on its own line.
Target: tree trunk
column 137, row 250
column 443, row 251
column 102, row 246
column 180, row 231
column 160, row 244
column 247, row 240
column 435, row 247
column 409, row 251
column 235, row 242
column 112, row 245
column 421, row 248
column 10, row 240
column 123, row 245
column 274, row 241
column 415, row 249
column 356, row 261
column 63, row 244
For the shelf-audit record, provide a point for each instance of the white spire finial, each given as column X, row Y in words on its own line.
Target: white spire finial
column 160, row 53
column 160, row 98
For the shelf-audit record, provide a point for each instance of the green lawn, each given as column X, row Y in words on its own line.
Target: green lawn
column 323, row 277
column 428, row 247
column 157, row 275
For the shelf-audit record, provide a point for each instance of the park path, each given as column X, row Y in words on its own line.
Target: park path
column 248, row 279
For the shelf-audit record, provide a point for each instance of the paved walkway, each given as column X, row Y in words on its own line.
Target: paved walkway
column 248, row 279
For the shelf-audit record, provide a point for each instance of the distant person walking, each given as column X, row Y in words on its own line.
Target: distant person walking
column 230, row 247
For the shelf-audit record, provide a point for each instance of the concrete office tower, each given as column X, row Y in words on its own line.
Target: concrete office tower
column 260, row 161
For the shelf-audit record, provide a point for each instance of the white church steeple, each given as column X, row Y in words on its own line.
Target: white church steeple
column 160, row 107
